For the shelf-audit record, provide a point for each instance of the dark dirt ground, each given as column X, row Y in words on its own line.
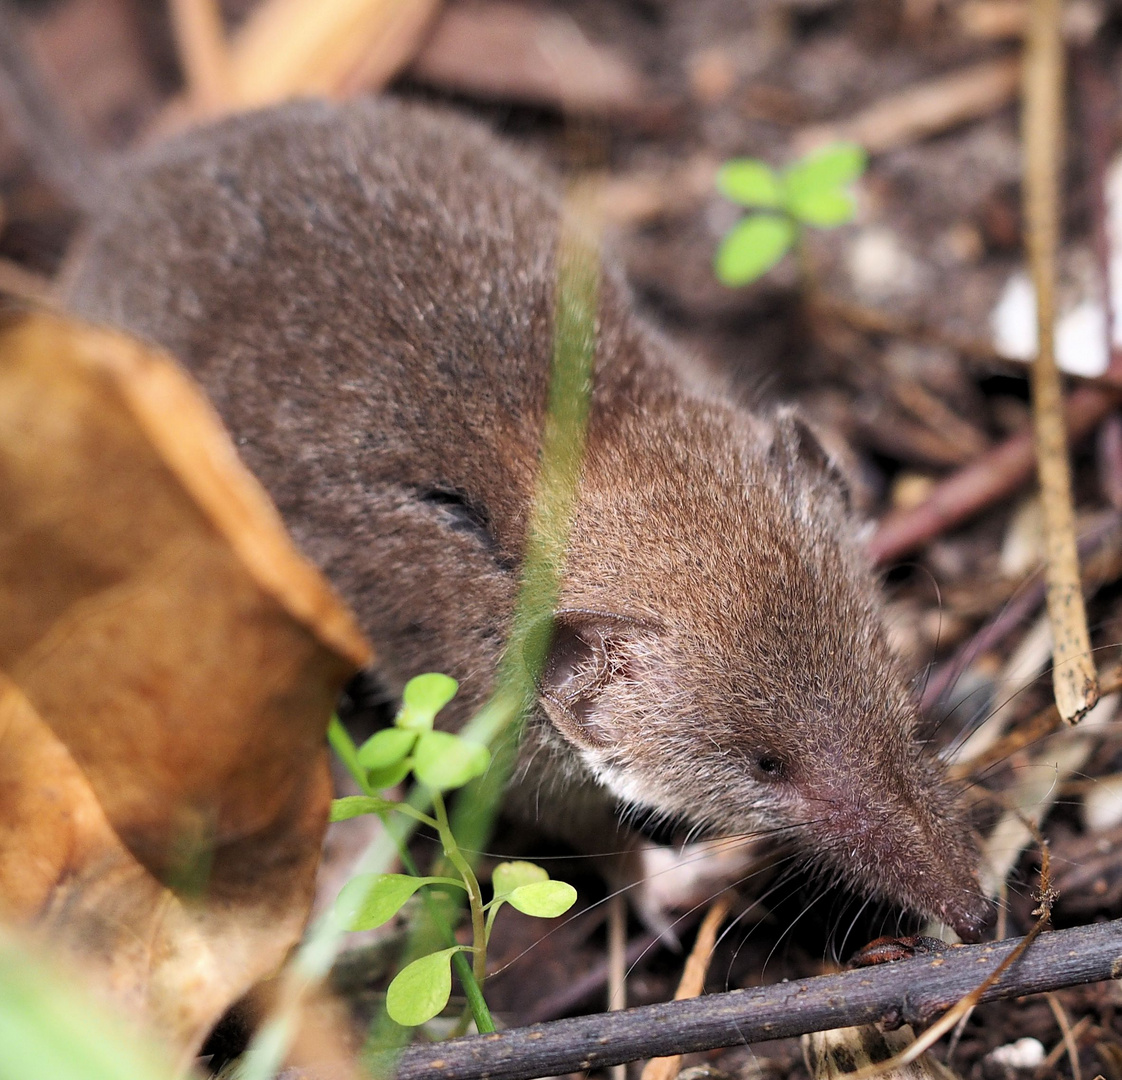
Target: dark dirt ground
column 890, row 348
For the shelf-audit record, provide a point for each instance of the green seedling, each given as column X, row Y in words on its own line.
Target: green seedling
column 813, row 191
column 442, row 762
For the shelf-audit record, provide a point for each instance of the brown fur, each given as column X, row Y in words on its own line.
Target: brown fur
column 366, row 294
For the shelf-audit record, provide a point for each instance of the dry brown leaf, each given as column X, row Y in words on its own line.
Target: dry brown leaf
column 171, row 662
column 507, row 51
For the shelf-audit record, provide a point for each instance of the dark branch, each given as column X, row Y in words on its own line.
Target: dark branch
column 909, row 991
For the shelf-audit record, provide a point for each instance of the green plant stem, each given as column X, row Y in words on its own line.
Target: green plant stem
column 416, row 815
column 808, row 278
column 475, row 894
column 491, row 920
column 342, row 743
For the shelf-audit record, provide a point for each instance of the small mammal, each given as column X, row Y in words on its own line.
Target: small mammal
column 365, row 291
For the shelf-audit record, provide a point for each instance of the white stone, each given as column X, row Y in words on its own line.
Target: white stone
column 1026, row 1053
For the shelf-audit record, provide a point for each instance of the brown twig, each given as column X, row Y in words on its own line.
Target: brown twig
column 923, row 110
column 994, row 476
column 966, row 1004
column 911, row 991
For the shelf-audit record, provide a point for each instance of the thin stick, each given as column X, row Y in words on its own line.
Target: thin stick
column 966, row 1004
column 617, row 964
column 1068, row 1036
column 923, row 110
column 1044, row 1069
column 291, row 47
column 1073, row 673
column 910, row 991
column 994, row 476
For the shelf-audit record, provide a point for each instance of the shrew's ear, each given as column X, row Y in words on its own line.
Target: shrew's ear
column 586, row 652
column 797, row 443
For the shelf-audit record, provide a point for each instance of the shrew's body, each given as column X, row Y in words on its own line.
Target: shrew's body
column 366, row 293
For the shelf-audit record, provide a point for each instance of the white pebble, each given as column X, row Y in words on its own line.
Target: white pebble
column 1025, row 1053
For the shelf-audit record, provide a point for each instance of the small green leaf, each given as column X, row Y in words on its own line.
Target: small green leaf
column 751, row 183
column 823, row 208
column 444, row 761
column 508, row 876
column 421, row 989
column 380, row 779
column 385, row 748
column 385, row 758
column 753, row 247
column 352, row 806
column 368, row 900
column 831, row 167
column 424, row 696
column 543, row 899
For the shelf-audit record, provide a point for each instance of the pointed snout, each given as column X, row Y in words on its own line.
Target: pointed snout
column 909, row 852
column 969, row 917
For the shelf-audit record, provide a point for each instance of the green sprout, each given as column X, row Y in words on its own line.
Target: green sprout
column 812, row 191
column 442, row 762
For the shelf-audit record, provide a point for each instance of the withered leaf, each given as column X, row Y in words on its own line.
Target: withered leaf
column 170, row 665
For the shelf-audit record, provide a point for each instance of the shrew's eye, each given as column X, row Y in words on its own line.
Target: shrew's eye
column 769, row 767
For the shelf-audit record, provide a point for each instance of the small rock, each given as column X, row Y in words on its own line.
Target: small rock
column 1026, row 1053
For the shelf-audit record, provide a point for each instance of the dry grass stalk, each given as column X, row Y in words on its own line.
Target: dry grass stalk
column 834, row 1055
column 1068, row 1041
column 1074, row 677
column 923, row 110
column 966, row 1003
column 617, row 965
column 692, row 983
column 290, row 47
column 203, row 53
